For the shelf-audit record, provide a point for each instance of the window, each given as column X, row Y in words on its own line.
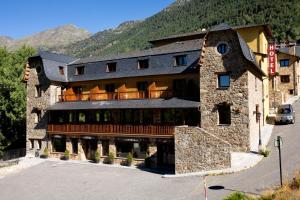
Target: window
column 181, row 60
column 291, row 91
column 38, row 116
column 59, row 144
column 142, row 88
column 38, row 91
column 74, row 142
column 81, row 117
column 79, row 70
column 222, row 48
column 285, row 79
column 38, row 69
column 105, row 147
column 111, row 67
column 72, row 117
column 143, row 64
column 61, row 70
column 223, row 80
column 107, row 116
column 110, row 87
column 179, row 87
column 224, row 114
column 284, row 62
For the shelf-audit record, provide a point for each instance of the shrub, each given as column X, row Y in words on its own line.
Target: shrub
column 129, row 159
column 45, row 153
column 265, row 152
column 66, row 155
column 237, row 196
column 97, row 157
column 111, row 158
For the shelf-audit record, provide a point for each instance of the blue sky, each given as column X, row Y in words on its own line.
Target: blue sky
column 21, row 18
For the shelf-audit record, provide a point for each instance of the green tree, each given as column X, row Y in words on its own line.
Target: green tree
column 13, row 96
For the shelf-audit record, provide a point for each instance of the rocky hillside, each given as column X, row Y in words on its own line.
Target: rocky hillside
column 188, row 16
column 63, row 35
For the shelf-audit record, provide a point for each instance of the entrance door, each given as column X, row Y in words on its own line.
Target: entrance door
column 89, row 147
column 165, row 155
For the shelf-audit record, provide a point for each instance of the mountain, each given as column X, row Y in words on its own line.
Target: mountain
column 191, row 15
column 5, row 41
column 62, row 35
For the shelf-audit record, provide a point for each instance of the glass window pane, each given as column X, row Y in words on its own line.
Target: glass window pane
column 224, row 81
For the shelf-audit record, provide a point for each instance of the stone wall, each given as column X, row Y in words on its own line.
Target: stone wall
column 37, row 131
column 237, row 95
column 197, row 150
column 280, row 92
column 255, row 99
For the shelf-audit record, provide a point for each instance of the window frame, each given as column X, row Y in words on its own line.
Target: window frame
column 284, row 62
column 79, row 70
column 282, row 79
column 178, row 59
column 111, row 67
column 141, row 62
column 61, row 70
column 219, row 86
column 221, row 45
column 223, row 108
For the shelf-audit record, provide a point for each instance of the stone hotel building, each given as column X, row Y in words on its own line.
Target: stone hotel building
column 187, row 103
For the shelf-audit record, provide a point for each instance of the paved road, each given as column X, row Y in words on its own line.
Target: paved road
column 64, row 180
column 266, row 173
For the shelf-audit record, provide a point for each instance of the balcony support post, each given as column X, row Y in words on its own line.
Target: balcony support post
column 112, row 147
column 69, row 145
column 99, row 147
column 81, row 155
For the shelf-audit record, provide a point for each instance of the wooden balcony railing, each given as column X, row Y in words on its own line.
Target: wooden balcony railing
column 153, row 94
column 98, row 129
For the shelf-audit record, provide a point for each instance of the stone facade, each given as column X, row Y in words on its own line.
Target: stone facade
column 237, row 95
column 197, row 150
column 280, row 91
column 36, row 128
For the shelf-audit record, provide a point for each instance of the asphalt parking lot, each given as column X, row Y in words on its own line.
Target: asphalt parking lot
column 64, row 180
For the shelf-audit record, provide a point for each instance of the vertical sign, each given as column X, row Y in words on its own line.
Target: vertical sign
column 271, row 56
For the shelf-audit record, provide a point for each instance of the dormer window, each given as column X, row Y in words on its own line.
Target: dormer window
column 79, row 70
column 181, row 60
column 222, row 48
column 143, row 64
column 61, row 70
column 111, row 67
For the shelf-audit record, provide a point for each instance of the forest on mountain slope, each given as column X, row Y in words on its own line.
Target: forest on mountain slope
column 192, row 15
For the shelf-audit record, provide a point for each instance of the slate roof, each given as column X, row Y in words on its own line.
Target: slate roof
column 52, row 61
column 182, row 46
column 138, row 104
column 287, row 50
column 221, row 26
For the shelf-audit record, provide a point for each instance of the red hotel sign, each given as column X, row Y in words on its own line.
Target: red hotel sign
column 272, row 61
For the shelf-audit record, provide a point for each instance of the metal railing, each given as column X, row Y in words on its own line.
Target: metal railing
column 13, row 154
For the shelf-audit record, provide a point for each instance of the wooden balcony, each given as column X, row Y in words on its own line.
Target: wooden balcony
column 153, row 94
column 112, row 129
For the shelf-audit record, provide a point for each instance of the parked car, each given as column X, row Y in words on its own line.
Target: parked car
column 285, row 114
